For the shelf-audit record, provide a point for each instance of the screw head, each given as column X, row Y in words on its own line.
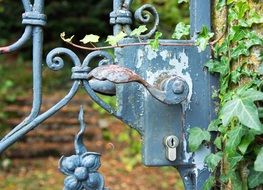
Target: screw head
column 178, row 87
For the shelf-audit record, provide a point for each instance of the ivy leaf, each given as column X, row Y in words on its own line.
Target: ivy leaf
column 210, row 182
column 196, row 138
column 218, row 143
column 113, row 40
column 258, row 165
column 203, row 38
column 241, row 8
column 234, row 139
column 240, row 49
column 252, row 94
column 237, row 33
column 154, row 43
column 90, row 38
column 224, row 81
column 235, row 76
column 244, row 110
column 181, row 30
column 220, row 4
column 255, row 178
column 234, row 159
column 253, row 18
column 235, row 180
column 222, row 67
column 183, row 1
column 138, row 31
column 246, row 140
column 62, row 35
column 253, row 40
column 212, row 160
column 213, row 126
column 222, row 49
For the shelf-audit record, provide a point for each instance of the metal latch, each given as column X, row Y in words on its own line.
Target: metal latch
column 173, row 91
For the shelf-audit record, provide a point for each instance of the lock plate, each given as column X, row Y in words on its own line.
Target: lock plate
column 155, row 120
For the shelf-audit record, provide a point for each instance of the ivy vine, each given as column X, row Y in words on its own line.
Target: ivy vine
column 238, row 129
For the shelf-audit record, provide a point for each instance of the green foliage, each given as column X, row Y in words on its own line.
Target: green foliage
column 196, row 138
column 210, row 182
column 203, row 38
column 213, row 160
column 244, row 109
column 138, row 31
column 113, row 40
column 238, row 125
column 255, row 178
column 108, row 100
column 132, row 154
column 181, row 30
column 259, row 161
column 91, row 38
column 154, row 43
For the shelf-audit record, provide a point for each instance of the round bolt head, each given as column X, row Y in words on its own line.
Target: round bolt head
column 178, row 87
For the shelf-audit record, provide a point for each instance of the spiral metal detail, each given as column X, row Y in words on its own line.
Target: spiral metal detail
column 142, row 15
column 55, row 62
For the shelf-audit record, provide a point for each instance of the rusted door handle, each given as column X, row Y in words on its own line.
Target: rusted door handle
column 173, row 91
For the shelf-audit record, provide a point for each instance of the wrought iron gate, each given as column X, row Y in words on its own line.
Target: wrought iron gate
column 161, row 94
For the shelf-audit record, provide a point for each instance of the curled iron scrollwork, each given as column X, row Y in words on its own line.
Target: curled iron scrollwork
column 55, row 62
column 122, row 17
column 143, row 15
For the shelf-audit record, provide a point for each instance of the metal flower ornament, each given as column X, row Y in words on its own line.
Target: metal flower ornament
column 82, row 168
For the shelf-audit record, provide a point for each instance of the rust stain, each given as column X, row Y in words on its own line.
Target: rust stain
column 116, row 74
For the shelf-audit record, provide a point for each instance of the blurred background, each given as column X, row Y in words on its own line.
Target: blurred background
column 31, row 163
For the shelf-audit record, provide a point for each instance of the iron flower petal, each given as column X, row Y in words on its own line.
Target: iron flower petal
column 94, row 182
column 91, row 160
column 71, row 183
column 67, row 165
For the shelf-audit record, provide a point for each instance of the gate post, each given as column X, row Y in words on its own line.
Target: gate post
column 160, row 93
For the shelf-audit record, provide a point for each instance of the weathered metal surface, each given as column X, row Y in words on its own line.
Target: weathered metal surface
column 175, row 94
column 155, row 120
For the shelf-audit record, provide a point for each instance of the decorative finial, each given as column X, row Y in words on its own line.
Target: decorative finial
column 82, row 168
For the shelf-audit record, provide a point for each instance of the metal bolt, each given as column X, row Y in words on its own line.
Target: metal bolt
column 178, row 87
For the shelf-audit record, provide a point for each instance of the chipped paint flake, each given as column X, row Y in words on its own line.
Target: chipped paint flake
column 181, row 68
column 140, row 55
column 151, row 54
column 165, row 54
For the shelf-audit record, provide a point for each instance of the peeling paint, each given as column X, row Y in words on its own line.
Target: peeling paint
column 165, row 54
column 151, row 54
column 187, row 155
column 181, row 68
column 140, row 55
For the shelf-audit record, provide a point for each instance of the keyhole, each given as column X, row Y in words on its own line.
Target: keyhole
column 172, row 142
